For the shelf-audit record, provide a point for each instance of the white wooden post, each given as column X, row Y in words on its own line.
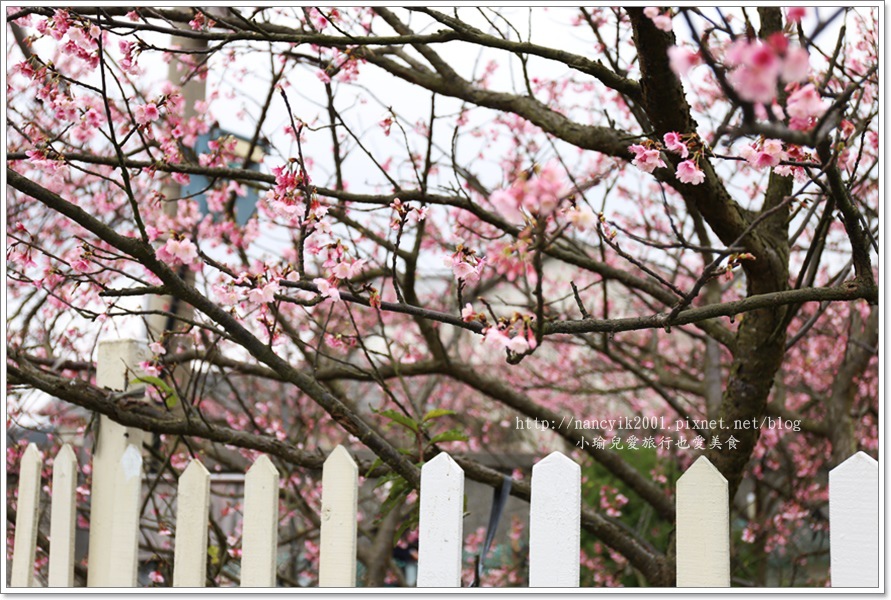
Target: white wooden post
column 117, row 365
column 854, row 522
column 340, row 496
column 554, row 522
column 441, row 526
column 259, row 540
column 190, row 543
column 124, row 520
column 63, row 519
column 703, row 527
column 27, row 512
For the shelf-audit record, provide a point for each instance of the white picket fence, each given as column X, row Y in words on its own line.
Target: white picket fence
column 703, row 531
column 702, row 527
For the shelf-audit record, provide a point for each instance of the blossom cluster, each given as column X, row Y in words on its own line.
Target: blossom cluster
column 465, row 263
column 83, row 38
column 285, row 198
column 648, row 156
column 402, row 212
column 342, row 268
column 758, row 66
column 499, row 335
column 537, row 194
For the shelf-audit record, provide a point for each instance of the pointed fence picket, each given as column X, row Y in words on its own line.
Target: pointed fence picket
column 25, row 547
column 259, row 541
column 554, row 522
column 63, row 519
column 441, row 525
column 703, row 527
column 192, row 511
column 340, row 502
column 853, row 522
column 124, row 559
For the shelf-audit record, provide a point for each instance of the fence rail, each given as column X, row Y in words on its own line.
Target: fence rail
column 703, row 517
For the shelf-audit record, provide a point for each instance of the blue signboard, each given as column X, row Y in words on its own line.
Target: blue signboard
column 199, row 184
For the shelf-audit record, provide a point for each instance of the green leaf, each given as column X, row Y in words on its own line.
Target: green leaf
column 375, row 464
column 398, row 492
column 410, row 523
column 436, row 413
column 452, row 435
column 401, row 419
column 171, row 399
column 157, row 382
column 386, row 478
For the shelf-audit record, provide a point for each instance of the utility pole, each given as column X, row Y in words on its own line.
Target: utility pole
column 118, row 363
column 193, row 89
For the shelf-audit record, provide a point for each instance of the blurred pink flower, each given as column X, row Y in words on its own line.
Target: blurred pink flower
column 688, row 172
column 644, row 159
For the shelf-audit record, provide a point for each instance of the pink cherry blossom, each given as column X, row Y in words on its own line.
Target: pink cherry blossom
column 805, row 103
column 327, row 289
column 538, row 194
column 645, row 159
column 757, row 68
column 265, row 294
column 226, row 294
column 150, row 368
column 157, row 348
column 796, row 65
column 496, row 337
column 794, row 14
column 660, row 20
column 467, row 312
column 418, row 214
column 518, row 344
column 543, row 192
column 768, row 155
column 674, row 144
column 178, row 252
column 348, row 269
column 681, row 59
column 507, row 205
column 462, row 269
column 386, row 123
column 146, row 113
column 688, row 172
column 198, row 22
column 500, row 338
column 582, row 218
column 81, row 264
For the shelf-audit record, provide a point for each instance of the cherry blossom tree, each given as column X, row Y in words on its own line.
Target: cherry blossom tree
column 475, row 230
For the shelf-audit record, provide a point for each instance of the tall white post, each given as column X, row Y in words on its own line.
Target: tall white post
column 117, row 366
